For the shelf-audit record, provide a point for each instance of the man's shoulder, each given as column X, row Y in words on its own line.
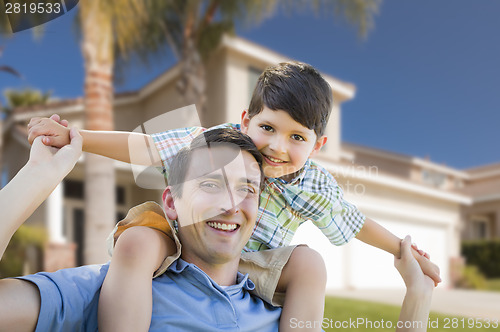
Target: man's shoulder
column 82, row 275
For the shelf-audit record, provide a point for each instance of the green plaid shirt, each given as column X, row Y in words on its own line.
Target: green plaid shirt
column 312, row 195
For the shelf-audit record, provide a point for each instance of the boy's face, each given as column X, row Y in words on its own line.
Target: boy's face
column 285, row 144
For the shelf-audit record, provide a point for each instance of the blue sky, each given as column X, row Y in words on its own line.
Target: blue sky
column 427, row 76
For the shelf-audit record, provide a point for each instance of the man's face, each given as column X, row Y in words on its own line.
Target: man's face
column 284, row 143
column 218, row 209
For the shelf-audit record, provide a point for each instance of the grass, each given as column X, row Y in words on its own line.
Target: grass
column 493, row 284
column 348, row 312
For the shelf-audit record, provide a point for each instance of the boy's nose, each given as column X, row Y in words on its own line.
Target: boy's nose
column 278, row 144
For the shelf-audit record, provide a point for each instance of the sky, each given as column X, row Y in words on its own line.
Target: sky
column 427, row 76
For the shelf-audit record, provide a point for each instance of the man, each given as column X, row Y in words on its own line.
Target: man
column 214, row 203
column 201, row 291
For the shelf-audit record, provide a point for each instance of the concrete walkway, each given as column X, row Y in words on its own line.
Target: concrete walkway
column 466, row 303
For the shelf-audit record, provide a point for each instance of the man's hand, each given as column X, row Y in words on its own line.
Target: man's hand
column 417, row 302
column 408, row 266
column 54, row 130
column 56, row 160
column 428, row 268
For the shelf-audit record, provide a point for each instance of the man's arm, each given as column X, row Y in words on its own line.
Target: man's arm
column 46, row 167
column 375, row 235
column 416, row 305
column 129, row 147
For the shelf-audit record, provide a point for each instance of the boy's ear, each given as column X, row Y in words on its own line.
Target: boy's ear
column 168, row 204
column 318, row 145
column 245, row 121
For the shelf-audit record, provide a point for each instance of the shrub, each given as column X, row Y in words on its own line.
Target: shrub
column 471, row 278
column 14, row 258
column 485, row 254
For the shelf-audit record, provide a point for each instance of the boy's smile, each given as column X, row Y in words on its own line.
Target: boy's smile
column 284, row 143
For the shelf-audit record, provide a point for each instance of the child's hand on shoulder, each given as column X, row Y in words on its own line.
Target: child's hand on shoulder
column 54, row 129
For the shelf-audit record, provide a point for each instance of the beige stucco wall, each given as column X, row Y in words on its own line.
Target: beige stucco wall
column 433, row 223
column 484, row 186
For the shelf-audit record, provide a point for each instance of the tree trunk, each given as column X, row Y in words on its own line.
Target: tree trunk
column 99, row 171
column 192, row 81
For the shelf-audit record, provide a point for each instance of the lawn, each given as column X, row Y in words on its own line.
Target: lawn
column 493, row 284
column 358, row 316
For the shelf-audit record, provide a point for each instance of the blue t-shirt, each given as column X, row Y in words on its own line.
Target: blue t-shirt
column 184, row 299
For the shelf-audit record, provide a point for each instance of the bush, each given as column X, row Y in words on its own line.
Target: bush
column 483, row 254
column 471, row 278
column 14, row 258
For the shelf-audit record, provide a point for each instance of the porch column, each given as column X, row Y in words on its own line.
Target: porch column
column 59, row 254
column 54, row 215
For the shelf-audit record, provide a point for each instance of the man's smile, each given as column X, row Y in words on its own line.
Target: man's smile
column 223, row 226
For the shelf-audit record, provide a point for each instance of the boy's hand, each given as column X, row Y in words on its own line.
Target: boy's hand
column 54, row 129
column 428, row 268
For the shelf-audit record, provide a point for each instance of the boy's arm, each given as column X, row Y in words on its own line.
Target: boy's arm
column 129, row 147
column 377, row 236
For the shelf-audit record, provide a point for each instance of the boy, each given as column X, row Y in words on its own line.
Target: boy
column 286, row 119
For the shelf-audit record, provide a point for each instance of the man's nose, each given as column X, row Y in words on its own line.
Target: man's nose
column 229, row 203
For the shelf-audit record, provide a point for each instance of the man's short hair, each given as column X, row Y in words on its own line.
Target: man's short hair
column 298, row 89
column 227, row 137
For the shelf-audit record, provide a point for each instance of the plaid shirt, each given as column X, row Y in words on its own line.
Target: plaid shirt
column 312, row 195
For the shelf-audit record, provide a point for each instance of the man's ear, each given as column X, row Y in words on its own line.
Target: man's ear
column 168, row 204
column 245, row 121
column 318, row 145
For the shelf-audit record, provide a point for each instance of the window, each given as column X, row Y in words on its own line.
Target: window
column 253, row 76
column 74, row 189
column 480, row 228
column 120, row 195
column 433, row 178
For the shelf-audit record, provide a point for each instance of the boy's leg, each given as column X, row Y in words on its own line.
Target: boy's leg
column 303, row 280
column 125, row 302
column 292, row 277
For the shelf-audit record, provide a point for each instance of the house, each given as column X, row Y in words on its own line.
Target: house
column 407, row 195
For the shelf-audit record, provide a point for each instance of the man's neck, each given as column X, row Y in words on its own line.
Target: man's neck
column 224, row 274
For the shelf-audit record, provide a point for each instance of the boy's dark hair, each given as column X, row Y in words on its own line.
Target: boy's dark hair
column 235, row 140
column 298, row 89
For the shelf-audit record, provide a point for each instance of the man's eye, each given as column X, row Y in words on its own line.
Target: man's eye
column 209, row 185
column 267, row 128
column 250, row 190
column 297, row 137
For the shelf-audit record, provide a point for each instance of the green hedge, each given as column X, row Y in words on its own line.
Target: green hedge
column 14, row 258
column 483, row 254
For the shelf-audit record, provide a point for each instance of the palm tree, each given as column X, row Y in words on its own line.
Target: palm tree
column 191, row 29
column 26, row 97
column 3, row 113
column 104, row 26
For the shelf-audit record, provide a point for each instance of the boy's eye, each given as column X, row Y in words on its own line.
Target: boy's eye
column 297, row 137
column 267, row 128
